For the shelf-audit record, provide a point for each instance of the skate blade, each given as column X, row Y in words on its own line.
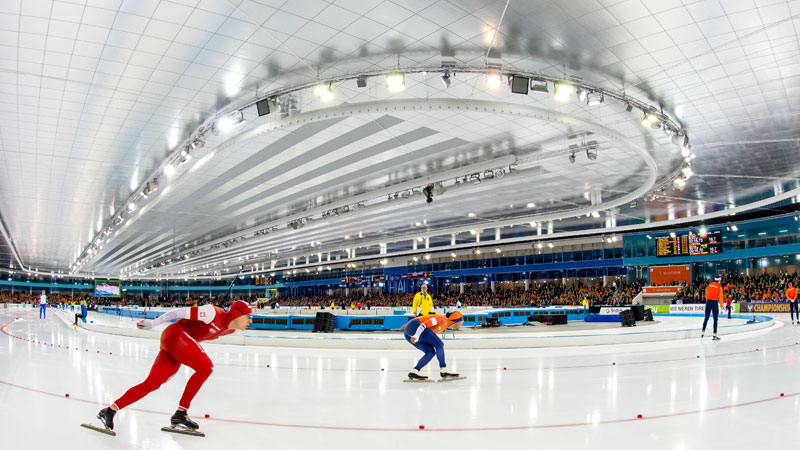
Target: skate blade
column 409, row 380
column 445, row 380
column 101, row 430
column 178, row 430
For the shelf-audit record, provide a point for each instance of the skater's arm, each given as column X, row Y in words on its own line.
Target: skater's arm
column 203, row 313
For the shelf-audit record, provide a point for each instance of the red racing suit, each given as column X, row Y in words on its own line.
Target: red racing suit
column 180, row 345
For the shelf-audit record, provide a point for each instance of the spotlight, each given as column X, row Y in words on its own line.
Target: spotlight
column 563, row 91
column 687, row 172
column 628, row 107
column 734, row 228
column 324, row 91
column 227, row 123
column 594, row 98
column 686, row 145
column 572, row 158
column 428, row 191
column 494, row 80
column 519, row 85
column 395, row 82
column 679, row 183
column 266, row 106
column 539, row 85
column 685, row 152
column 361, row 81
column 581, row 93
column 475, row 178
column 651, row 120
column 446, row 80
column 591, row 154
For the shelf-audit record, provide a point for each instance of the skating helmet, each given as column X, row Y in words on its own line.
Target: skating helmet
column 455, row 316
column 239, row 308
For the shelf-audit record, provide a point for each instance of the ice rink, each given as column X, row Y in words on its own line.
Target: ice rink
column 740, row 392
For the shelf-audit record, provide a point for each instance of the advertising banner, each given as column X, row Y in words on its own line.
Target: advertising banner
column 661, row 289
column 612, row 310
column 688, row 309
column 658, row 309
column 764, row 307
column 663, row 275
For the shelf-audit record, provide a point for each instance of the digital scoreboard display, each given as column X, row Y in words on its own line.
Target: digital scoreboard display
column 106, row 288
column 690, row 244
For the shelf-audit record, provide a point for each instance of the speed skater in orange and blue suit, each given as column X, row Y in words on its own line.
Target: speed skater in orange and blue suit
column 421, row 333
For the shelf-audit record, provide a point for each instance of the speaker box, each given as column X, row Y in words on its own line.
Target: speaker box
column 626, row 319
column 323, row 322
column 648, row 315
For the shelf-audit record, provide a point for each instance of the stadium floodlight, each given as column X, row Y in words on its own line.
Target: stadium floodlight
column 563, row 91
column 324, row 91
column 494, row 80
column 594, row 98
column 581, row 93
column 446, row 79
column 539, row 85
column 395, row 82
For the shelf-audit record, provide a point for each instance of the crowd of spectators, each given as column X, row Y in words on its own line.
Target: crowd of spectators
column 769, row 287
column 760, row 288
column 542, row 294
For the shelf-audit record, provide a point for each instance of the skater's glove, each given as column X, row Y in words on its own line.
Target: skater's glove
column 144, row 324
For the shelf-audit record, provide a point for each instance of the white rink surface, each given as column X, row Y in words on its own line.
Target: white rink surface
column 544, row 398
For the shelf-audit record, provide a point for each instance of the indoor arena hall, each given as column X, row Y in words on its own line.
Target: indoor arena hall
column 385, row 224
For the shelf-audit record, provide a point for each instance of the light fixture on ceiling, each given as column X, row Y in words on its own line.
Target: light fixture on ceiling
column 628, row 107
column 497, row 250
column 131, row 207
column 563, row 91
column 550, row 245
column 230, row 121
column 539, row 85
column 581, row 93
column 395, row 82
column 530, row 205
column 453, row 255
column 687, row 172
column 361, row 81
column 679, row 183
column 324, row 91
column 594, row 98
column 428, row 192
column 572, row 158
column 169, row 170
column 591, row 153
column 493, row 80
column 446, row 79
column 520, row 85
column 150, row 187
column 651, row 119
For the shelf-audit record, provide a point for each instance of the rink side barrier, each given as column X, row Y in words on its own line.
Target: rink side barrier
column 345, row 320
column 687, row 327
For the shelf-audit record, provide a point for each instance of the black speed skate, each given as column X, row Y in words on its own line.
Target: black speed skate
column 181, row 419
column 446, row 376
column 416, row 378
column 106, row 416
column 182, row 424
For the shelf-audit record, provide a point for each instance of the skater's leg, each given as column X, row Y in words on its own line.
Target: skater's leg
column 424, row 348
column 164, row 367
column 715, row 310
column 708, row 313
column 189, row 353
column 430, row 338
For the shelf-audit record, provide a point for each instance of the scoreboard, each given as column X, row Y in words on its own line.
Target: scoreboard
column 690, row 244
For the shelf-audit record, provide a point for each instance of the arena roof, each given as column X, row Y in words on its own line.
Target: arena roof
column 122, row 153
